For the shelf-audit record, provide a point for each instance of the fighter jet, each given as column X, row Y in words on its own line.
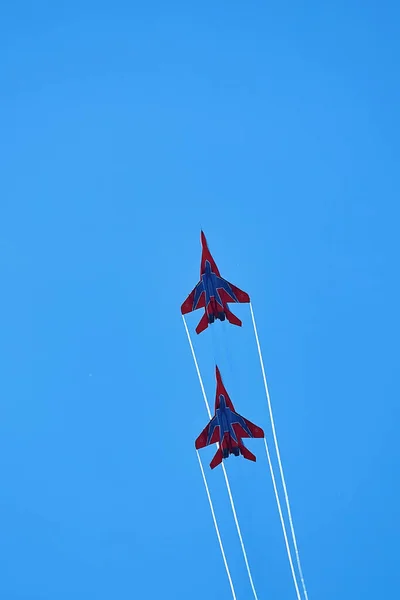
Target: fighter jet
column 213, row 293
column 227, row 428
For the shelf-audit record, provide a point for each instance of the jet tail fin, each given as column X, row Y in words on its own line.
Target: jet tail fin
column 217, row 459
column 233, row 319
column 203, row 323
column 245, row 452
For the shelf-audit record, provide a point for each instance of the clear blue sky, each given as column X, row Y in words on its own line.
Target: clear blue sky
column 125, row 127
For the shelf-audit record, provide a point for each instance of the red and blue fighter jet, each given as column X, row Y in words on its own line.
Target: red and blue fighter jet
column 213, row 293
column 227, row 428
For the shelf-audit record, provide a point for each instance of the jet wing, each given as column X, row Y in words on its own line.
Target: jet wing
column 195, row 300
column 209, row 435
column 246, row 429
column 231, row 293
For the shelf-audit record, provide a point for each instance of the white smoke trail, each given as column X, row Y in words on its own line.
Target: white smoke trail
column 223, row 466
column 196, row 364
column 276, row 494
column 216, row 526
column 278, row 455
column 282, row 521
column 239, row 532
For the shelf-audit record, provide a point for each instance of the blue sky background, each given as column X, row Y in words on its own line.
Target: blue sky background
column 125, row 127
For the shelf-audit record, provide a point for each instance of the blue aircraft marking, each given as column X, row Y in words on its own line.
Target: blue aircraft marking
column 225, row 418
column 210, row 283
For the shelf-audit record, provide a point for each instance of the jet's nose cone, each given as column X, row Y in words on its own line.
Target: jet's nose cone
column 203, row 239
